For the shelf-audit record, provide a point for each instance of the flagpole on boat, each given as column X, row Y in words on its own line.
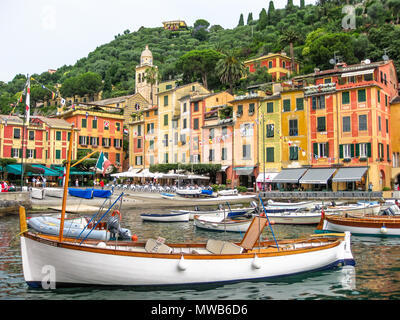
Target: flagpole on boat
column 64, row 202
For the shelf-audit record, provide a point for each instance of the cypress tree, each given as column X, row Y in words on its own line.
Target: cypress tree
column 241, row 20
column 250, row 18
column 302, row 4
column 271, row 13
column 263, row 20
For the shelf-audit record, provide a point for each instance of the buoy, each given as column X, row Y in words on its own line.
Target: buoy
column 101, row 245
column 383, row 230
column 182, row 265
column 272, row 222
column 256, row 263
column 135, row 238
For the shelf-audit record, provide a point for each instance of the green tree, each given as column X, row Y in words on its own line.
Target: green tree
column 200, row 30
column 394, row 5
column 290, row 36
column 152, row 77
column 241, row 20
column 263, row 20
column 250, row 18
column 230, row 69
column 198, row 64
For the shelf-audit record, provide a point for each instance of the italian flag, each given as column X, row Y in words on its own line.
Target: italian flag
column 103, row 163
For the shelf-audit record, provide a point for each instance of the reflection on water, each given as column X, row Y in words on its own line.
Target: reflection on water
column 375, row 276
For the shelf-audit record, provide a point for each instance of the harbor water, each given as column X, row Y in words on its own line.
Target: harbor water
column 376, row 274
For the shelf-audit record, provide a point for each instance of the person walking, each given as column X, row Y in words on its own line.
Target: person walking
column 102, row 184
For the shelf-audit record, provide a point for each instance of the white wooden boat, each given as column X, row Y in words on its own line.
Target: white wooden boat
column 296, row 217
column 154, row 263
column 37, row 193
column 218, row 223
column 375, row 225
column 230, row 192
column 228, row 212
column 362, row 208
column 54, row 192
column 166, row 217
column 300, row 205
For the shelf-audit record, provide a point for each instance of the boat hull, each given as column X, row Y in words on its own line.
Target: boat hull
column 357, row 209
column 228, row 213
column 229, row 225
column 379, row 226
column 295, row 218
column 68, row 264
column 176, row 217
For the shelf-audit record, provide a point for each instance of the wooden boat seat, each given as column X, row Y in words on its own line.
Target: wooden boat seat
column 223, row 247
column 154, row 246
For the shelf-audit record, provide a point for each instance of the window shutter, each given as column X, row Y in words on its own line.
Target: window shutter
column 34, row 153
column 315, row 147
column 352, row 150
column 314, row 103
column 357, row 150
column 327, row 149
column 369, row 149
column 341, row 151
column 20, row 152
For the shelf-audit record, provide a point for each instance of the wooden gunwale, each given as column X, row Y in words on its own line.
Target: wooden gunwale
column 370, row 222
column 52, row 240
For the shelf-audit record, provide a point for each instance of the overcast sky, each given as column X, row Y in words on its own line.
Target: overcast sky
column 37, row 35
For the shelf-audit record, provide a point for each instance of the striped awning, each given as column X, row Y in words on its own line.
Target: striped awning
column 317, row 176
column 244, row 171
column 357, row 73
column 289, row 175
column 349, row 174
column 269, row 176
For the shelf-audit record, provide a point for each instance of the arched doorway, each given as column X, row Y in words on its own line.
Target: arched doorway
column 382, row 181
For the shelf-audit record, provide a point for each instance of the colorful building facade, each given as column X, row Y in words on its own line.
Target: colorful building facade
column 43, row 141
column 277, row 64
column 349, row 121
column 100, row 129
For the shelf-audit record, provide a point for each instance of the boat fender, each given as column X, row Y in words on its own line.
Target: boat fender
column 116, row 212
column 383, row 229
column 256, row 263
column 135, row 238
column 182, row 265
column 101, row 244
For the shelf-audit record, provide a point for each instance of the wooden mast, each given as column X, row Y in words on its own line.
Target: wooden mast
column 64, row 202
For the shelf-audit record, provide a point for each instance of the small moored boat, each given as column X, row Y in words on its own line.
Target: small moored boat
column 166, row 217
column 218, row 223
column 37, row 193
column 374, row 225
column 168, row 196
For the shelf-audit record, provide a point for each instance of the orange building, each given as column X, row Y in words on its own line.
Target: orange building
column 100, row 129
column 277, row 64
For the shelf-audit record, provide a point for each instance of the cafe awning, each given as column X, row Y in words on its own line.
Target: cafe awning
column 244, row 171
column 289, row 175
column 317, row 176
column 269, row 176
column 357, row 73
column 47, row 171
column 349, row 174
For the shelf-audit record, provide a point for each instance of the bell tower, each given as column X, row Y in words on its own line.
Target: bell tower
column 144, row 86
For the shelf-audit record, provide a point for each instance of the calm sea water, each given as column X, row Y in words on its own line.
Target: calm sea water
column 376, row 275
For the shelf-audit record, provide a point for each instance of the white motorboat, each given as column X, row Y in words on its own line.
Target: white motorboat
column 166, row 217
column 296, row 217
column 360, row 208
column 229, row 192
column 219, row 223
column 228, row 212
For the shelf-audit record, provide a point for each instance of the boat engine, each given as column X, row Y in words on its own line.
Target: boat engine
column 114, row 227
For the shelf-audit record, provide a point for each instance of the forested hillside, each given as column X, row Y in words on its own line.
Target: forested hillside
column 313, row 33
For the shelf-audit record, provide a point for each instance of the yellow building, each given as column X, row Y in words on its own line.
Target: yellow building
column 169, row 112
column 269, row 133
column 294, row 129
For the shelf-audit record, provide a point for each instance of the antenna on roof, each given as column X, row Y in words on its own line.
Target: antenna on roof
column 336, row 58
column 385, row 57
